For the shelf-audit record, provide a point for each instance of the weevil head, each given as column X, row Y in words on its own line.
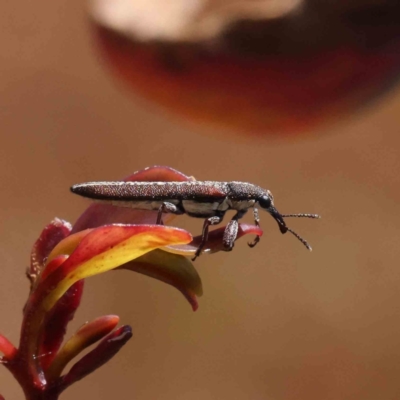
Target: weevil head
column 266, row 202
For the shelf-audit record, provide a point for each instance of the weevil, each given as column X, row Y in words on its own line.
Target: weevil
column 200, row 199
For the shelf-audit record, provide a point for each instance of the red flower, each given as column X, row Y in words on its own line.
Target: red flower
column 104, row 238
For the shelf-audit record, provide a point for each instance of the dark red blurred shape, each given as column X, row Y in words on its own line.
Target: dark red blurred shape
column 287, row 75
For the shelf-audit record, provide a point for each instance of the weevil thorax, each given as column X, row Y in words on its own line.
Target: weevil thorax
column 243, row 195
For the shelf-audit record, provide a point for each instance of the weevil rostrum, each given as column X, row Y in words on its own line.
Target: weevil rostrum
column 209, row 200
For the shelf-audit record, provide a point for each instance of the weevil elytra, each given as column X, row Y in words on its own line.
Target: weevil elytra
column 200, row 199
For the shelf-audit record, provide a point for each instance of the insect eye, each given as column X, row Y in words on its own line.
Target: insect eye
column 265, row 202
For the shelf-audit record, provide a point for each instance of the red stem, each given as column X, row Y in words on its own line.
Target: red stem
column 22, row 373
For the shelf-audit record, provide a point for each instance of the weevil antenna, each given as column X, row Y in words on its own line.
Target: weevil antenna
column 300, row 238
column 284, row 228
column 315, row 216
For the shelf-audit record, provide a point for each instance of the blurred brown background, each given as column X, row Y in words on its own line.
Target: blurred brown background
column 275, row 322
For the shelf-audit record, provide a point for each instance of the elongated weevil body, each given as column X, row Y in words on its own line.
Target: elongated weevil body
column 200, row 199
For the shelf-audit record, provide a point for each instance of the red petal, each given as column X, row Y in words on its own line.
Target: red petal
column 53, row 264
column 86, row 335
column 7, row 348
column 158, row 173
column 106, row 350
column 48, row 239
column 214, row 243
column 101, row 250
column 55, row 325
column 65, row 248
column 172, row 269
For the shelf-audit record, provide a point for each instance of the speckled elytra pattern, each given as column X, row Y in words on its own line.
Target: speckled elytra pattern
column 197, row 190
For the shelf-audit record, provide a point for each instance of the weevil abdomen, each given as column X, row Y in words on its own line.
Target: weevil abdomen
column 205, row 209
column 240, row 205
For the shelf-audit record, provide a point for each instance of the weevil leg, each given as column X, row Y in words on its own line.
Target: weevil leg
column 169, row 208
column 257, row 223
column 204, row 235
column 231, row 231
column 230, row 234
